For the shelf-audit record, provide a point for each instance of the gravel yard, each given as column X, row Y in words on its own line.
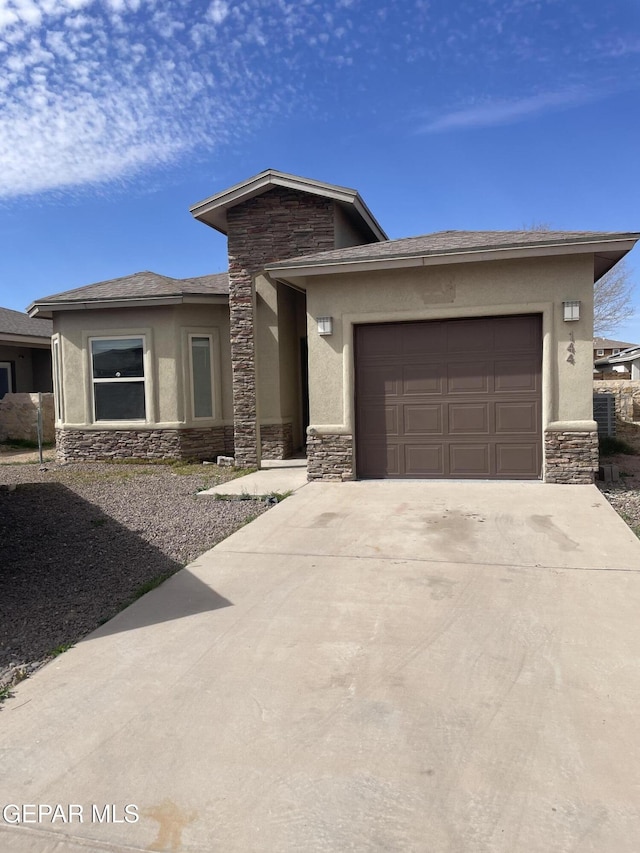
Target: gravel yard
column 78, row 542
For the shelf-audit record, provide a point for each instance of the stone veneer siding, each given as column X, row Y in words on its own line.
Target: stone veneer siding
column 279, row 224
column 570, row 457
column 19, row 417
column 330, row 457
column 197, row 443
column 276, row 440
column 627, row 394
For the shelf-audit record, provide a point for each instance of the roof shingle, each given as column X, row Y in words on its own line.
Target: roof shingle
column 451, row 242
column 17, row 323
column 143, row 285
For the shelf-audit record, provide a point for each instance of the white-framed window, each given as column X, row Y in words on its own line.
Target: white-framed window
column 616, row 351
column 56, row 358
column 599, row 352
column 201, row 351
column 118, row 378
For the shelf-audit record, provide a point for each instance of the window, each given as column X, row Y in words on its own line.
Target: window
column 616, row 351
column 200, row 347
column 6, row 378
column 599, row 352
column 57, row 378
column 117, row 366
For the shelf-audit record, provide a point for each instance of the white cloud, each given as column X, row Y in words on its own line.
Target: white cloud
column 97, row 91
column 509, row 111
column 218, row 11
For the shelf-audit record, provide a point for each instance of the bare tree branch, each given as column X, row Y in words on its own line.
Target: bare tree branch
column 612, row 294
column 612, row 299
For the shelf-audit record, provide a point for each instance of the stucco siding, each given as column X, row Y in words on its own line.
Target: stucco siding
column 463, row 290
column 165, row 330
column 32, row 367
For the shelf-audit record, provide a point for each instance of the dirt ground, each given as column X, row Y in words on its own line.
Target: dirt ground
column 15, row 455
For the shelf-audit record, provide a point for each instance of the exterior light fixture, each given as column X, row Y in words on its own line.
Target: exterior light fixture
column 325, row 325
column 571, row 310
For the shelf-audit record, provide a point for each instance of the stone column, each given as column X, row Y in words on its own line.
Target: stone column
column 276, row 225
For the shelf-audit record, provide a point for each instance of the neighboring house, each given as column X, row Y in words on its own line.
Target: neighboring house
column 625, row 361
column 25, row 353
column 604, row 347
column 456, row 354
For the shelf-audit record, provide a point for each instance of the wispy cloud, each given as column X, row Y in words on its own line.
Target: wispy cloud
column 98, row 91
column 510, row 111
column 95, row 91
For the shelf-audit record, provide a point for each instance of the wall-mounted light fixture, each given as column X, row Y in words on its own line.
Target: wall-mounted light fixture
column 325, row 325
column 571, row 310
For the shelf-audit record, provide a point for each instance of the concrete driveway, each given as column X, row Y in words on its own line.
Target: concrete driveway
column 368, row 667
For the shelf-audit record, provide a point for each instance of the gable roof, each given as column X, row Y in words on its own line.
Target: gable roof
column 19, row 328
column 457, row 246
column 607, row 343
column 141, row 288
column 213, row 210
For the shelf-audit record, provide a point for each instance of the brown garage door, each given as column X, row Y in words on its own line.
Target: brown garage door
column 453, row 398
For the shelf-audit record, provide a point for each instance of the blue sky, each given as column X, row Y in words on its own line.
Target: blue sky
column 117, row 115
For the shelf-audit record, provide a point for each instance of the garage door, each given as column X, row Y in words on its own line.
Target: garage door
column 454, row 398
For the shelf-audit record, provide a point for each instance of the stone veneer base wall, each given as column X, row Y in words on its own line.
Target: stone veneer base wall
column 19, row 417
column 570, row 457
column 330, row 457
column 276, row 441
column 189, row 443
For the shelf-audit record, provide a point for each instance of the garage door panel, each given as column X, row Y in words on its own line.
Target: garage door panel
column 423, row 420
column 422, row 379
column 469, row 460
column 469, row 336
column 424, row 460
column 516, row 334
column 517, row 417
column 376, row 341
column 450, row 398
column 518, row 460
column 381, row 420
column 379, row 381
column 421, row 338
column 381, row 459
column 516, row 375
column 469, row 418
column 468, row 377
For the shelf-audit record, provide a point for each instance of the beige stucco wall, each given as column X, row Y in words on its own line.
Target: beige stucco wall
column 166, row 331
column 448, row 291
column 267, row 351
column 280, row 324
column 32, row 366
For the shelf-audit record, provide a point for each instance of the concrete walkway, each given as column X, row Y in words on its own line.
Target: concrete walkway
column 437, row 667
column 275, row 477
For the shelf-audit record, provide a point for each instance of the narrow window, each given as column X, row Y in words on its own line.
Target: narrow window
column 599, row 352
column 202, row 376
column 57, row 379
column 117, row 366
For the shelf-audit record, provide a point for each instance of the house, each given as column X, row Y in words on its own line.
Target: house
column 25, row 353
column 456, row 354
column 604, row 347
column 625, row 363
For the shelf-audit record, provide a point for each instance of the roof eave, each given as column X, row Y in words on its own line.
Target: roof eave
column 303, row 270
column 46, row 309
column 26, row 340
